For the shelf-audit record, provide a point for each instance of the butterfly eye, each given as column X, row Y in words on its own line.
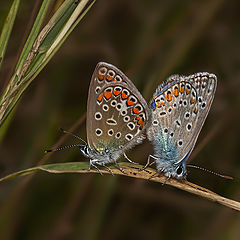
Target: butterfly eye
column 179, row 170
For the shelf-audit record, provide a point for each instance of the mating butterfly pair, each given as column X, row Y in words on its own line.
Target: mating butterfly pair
column 117, row 116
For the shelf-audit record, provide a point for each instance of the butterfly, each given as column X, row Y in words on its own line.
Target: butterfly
column 179, row 108
column 117, row 116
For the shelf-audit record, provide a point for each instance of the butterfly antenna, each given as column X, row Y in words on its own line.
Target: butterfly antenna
column 74, row 135
column 64, row 147
column 209, row 171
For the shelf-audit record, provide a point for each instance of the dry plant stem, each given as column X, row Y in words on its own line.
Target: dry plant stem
column 183, row 185
column 132, row 170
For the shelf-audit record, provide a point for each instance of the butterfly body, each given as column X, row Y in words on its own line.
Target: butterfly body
column 179, row 108
column 100, row 158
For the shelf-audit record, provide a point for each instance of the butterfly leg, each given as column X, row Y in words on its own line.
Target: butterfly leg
column 108, row 169
column 93, row 165
column 119, row 167
column 167, row 178
column 124, row 154
column 157, row 174
column 148, row 164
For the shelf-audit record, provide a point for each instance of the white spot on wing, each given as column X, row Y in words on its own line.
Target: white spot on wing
column 111, row 121
column 98, row 116
column 105, row 107
column 129, row 136
column 110, row 132
column 131, row 125
column 98, row 132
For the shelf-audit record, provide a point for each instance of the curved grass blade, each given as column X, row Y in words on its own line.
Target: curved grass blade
column 132, row 170
column 7, row 29
column 37, row 53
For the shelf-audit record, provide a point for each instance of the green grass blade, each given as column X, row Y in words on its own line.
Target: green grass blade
column 43, row 48
column 52, row 168
column 33, row 34
column 7, row 29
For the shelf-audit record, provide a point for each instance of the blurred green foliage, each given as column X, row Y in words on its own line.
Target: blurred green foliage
column 148, row 40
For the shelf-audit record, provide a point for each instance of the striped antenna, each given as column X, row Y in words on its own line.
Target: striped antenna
column 209, row 171
column 68, row 146
column 72, row 134
column 63, row 147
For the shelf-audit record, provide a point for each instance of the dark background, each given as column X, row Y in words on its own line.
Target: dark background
column 148, row 40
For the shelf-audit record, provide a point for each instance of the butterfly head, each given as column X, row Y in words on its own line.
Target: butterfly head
column 171, row 169
column 180, row 171
column 85, row 150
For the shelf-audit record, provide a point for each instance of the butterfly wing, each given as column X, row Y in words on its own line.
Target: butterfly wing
column 205, row 84
column 179, row 109
column 117, row 113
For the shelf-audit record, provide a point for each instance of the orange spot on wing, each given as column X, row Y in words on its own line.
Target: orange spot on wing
column 109, row 78
column 163, row 103
column 99, row 99
column 169, row 97
column 107, row 95
column 130, row 103
column 182, row 89
column 195, row 110
column 136, row 111
column 124, row 96
column 116, row 93
column 158, row 104
column 175, row 92
column 140, row 122
column 100, row 77
column 187, row 91
column 192, row 100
